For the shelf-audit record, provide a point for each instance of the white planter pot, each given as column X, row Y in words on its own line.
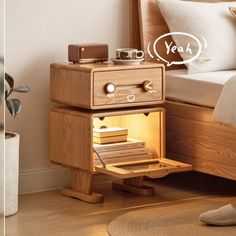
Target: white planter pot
column 11, row 174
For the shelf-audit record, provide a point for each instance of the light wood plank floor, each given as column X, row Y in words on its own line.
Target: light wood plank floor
column 50, row 213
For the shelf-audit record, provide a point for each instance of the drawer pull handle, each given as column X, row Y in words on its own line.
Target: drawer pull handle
column 110, row 88
column 148, row 85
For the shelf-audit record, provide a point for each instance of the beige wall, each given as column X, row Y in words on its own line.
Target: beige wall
column 37, row 33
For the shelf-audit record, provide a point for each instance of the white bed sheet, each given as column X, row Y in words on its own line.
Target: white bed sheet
column 200, row 89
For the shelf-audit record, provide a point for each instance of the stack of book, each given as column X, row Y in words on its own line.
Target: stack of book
column 130, row 150
column 110, row 135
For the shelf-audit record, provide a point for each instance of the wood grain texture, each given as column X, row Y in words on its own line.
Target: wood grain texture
column 70, row 139
column 89, row 198
column 69, row 124
column 137, row 162
column 84, row 85
column 71, row 143
column 125, row 111
column 192, row 137
column 138, row 182
column 134, row 25
column 60, row 215
column 134, row 185
column 129, row 82
column 150, row 129
column 207, row 166
column 152, row 170
column 71, row 87
column 95, row 67
column 82, row 181
column 123, row 160
column 82, row 187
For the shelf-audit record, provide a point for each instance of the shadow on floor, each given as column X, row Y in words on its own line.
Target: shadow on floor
column 199, row 182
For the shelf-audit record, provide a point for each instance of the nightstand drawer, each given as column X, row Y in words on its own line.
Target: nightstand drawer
column 104, row 86
column 128, row 87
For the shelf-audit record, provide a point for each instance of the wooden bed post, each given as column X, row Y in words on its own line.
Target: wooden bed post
column 134, row 25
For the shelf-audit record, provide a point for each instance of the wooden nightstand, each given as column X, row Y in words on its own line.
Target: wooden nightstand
column 113, row 96
column 105, row 86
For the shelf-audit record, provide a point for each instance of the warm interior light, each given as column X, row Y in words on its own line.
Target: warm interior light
column 143, row 127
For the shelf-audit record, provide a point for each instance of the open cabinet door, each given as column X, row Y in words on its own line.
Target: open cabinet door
column 147, row 126
column 153, row 168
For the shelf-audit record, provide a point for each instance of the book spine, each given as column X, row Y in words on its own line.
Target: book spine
column 112, row 139
column 110, row 134
column 126, row 152
column 120, row 147
column 124, row 159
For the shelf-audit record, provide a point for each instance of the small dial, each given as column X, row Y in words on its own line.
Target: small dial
column 148, row 85
column 110, row 88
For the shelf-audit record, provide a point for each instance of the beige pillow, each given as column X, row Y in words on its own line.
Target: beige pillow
column 212, row 24
column 233, row 11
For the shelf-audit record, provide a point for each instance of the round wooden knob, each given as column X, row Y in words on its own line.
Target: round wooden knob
column 110, row 88
column 147, row 85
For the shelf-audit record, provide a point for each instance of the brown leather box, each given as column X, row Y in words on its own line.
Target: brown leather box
column 87, row 53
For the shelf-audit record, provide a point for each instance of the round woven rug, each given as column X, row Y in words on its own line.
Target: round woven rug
column 177, row 220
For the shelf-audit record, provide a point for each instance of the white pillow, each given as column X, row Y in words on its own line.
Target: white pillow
column 211, row 21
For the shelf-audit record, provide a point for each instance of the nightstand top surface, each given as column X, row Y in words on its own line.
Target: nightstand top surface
column 105, row 66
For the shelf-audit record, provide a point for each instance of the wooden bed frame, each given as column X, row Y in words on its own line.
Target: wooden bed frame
column 192, row 136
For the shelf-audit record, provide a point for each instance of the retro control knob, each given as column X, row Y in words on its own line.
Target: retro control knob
column 148, row 85
column 110, row 88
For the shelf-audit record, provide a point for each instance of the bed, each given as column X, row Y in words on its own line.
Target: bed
column 192, row 136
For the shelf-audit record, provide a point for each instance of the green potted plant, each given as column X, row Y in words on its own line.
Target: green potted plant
column 12, row 148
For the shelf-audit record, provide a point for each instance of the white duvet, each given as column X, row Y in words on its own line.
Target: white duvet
column 225, row 109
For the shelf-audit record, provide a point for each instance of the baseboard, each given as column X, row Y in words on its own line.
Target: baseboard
column 45, row 179
column 39, row 180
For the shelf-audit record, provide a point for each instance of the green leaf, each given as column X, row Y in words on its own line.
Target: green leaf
column 21, row 89
column 6, row 90
column 9, row 80
column 14, row 106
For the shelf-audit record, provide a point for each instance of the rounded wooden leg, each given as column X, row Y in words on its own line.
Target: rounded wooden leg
column 134, row 185
column 90, row 198
column 82, row 183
